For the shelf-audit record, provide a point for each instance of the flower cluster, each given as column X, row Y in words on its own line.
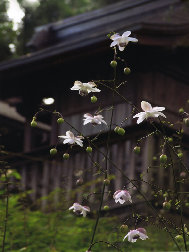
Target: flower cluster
column 120, row 196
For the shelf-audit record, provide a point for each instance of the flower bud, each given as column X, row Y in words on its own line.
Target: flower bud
column 116, row 129
column 137, row 150
column 121, row 131
column 187, row 204
column 181, row 110
column 89, row 149
column 113, row 64
column 93, row 99
column 106, row 181
column 166, row 205
column 163, row 158
column 180, row 154
column 106, row 208
column 33, row 123
column 79, row 181
column 183, row 174
column 66, row 156
column 127, row 70
column 186, row 121
column 60, row 120
column 124, row 228
column 179, row 238
column 53, row 151
column 170, row 139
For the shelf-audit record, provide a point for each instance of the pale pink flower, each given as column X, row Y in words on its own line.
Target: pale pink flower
column 122, row 196
column 122, row 41
column 135, row 234
column 71, row 139
column 85, row 88
column 148, row 112
column 96, row 119
column 79, row 208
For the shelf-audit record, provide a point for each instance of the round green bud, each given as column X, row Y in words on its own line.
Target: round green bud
column 137, row 150
column 166, row 205
column 186, row 121
column 116, row 129
column 60, row 120
column 121, row 131
column 89, row 149
column 180, row 154
column 113, row 64
column 154, row 158
column 66, row 156
column 106, row 208
column 179, row 238
column 93, row 99
column 33, row 123
column 181, row 110
column 127, row 70
column 187, row 204
column 163, row 158
column 34, row 118
column 165, row 194
column 106, row 181
column 170, row 139
column 53, row 151
column 124, row 228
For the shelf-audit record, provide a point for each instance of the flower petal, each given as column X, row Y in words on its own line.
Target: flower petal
column 126, row 34
column 146, row 106
column 132, row 39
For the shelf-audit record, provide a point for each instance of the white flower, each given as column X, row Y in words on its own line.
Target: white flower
column 71, row 139
column 122, row 41
column 97, row 119
column 79, row 208
column 121, row 196
column 85, row 88
column 133, row 235
column 148, row 112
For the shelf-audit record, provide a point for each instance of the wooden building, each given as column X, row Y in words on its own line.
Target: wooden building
column 77, row 48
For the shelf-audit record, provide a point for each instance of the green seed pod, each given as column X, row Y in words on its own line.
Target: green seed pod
column 53, row 151
column 106, row 208
column 116, row 129
column 89, row 149
column 166, row 205
column 170, row 139
column 127, row 70
column 113, row 64
column 121, row 131
column 186, row 121
column 66, row 156
column 33, row 123
column 124, row 228
column 93, row 99
column 163, row 158
column 180, row 154
column 179, row 238
column 181, row 110
column 187, row 204
column 60, row 120
column 137, row 150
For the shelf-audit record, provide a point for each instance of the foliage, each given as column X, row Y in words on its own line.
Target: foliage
column 7, row 34
column 61, row 231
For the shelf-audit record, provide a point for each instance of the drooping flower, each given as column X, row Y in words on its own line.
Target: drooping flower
column 85, row 88
column 135, row 234
column 71, row 139
column 148, row 112
column 96, row 119
column 122, row 41
column 122, row 196
column 79, row 208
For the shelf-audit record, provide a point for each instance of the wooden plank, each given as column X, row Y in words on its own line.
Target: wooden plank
column 45, row 183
